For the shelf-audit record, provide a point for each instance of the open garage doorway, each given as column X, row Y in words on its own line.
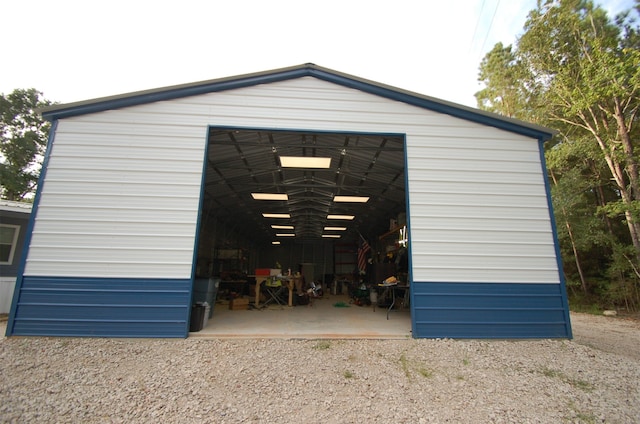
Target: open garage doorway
column 326, row 209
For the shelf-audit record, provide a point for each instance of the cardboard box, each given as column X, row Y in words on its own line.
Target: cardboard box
column 239, row 304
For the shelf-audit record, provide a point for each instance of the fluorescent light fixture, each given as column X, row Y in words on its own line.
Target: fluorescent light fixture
column 304, row 162
column 276, row 215
column 282, row 227
column 346, row 217
column 334, row 228
column 331, row 236
column 275, row 242
column 352, row 199
column 270, row 196
column 285, row 235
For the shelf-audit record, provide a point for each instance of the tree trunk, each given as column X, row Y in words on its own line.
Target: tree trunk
column 583, row 282
column 618, row 173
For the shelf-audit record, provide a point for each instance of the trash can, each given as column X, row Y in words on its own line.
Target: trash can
column 207, row 314
column 214, row 284
column 197, row 317
column 206, row 290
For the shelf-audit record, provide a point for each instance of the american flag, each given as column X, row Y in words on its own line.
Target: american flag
column 363, row 251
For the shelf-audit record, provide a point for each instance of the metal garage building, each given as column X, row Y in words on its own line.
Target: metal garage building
column 131, row 185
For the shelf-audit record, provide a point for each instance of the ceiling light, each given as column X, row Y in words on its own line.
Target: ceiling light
column 285, row 235
column 354, row 199
column 331, row 236
column 282, row 227
column 275, row 242
column 304, row 162
column 276, row 215
column 347, row 217
column 270, row 196
column 334, row 228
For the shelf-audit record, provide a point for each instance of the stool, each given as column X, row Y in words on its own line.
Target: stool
column 274, row 289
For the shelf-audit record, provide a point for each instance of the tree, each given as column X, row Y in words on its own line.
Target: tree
column 503, row 75
column 592, row 85
column 23, row 141
column 578, row 71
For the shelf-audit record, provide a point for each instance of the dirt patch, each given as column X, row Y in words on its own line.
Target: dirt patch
column 619, row 335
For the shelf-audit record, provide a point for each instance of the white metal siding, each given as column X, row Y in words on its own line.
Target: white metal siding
column 119, row 200
column 121, row 192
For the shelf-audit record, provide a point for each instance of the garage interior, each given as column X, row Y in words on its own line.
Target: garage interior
column 302, row 202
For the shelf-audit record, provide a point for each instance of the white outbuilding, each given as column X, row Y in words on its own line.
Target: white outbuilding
column 144, row 195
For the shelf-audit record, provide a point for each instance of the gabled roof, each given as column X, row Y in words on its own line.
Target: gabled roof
column 61, row 111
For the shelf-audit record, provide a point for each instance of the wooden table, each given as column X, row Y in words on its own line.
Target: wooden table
column 260, row 279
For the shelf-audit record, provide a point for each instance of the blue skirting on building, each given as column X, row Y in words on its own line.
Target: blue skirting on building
column 489, row 310
column 102, row 307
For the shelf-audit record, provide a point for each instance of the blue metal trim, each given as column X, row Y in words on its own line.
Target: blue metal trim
column 30, row 225
column 194, row 259
column 173, row 93
column 409, row 244
column 488, row 310
column 103, row 307
column 169, row 93
column 307, row 131
column 556, row 241
column 432, row 104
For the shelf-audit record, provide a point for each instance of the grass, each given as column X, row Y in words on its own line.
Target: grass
column 322, row 345
column 586, row 308
column 405, row 365
column 348, row 374
column 577, row 383
column 581, row 416
column 425, row 372
column 408, row 365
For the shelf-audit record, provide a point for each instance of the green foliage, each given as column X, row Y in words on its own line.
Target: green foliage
column 575, row 382
column 322, row 345
column 23, row 139
column 577, row 70
column 502, row 73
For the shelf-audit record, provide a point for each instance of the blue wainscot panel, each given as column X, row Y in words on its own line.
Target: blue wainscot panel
column 102, row 307
column 490, row 310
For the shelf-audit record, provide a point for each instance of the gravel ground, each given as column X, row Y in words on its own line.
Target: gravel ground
column 594, row 378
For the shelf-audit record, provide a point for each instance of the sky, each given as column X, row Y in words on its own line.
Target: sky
column 80, row 50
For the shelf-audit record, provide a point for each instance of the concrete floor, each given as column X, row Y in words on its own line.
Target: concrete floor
column 320, row 320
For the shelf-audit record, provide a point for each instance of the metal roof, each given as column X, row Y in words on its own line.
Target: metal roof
column 242, row 161
column 59, row 111
column 13, row 206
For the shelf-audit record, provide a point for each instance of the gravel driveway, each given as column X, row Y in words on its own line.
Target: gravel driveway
column 594, row 378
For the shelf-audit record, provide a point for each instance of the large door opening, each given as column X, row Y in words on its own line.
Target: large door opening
column 340, row 222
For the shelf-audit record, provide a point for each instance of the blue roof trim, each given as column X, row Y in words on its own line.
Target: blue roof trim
column 170, row 93
column 458, row 111
column 204, row 87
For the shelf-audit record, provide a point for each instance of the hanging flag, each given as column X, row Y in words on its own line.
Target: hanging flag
column 363, row 252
